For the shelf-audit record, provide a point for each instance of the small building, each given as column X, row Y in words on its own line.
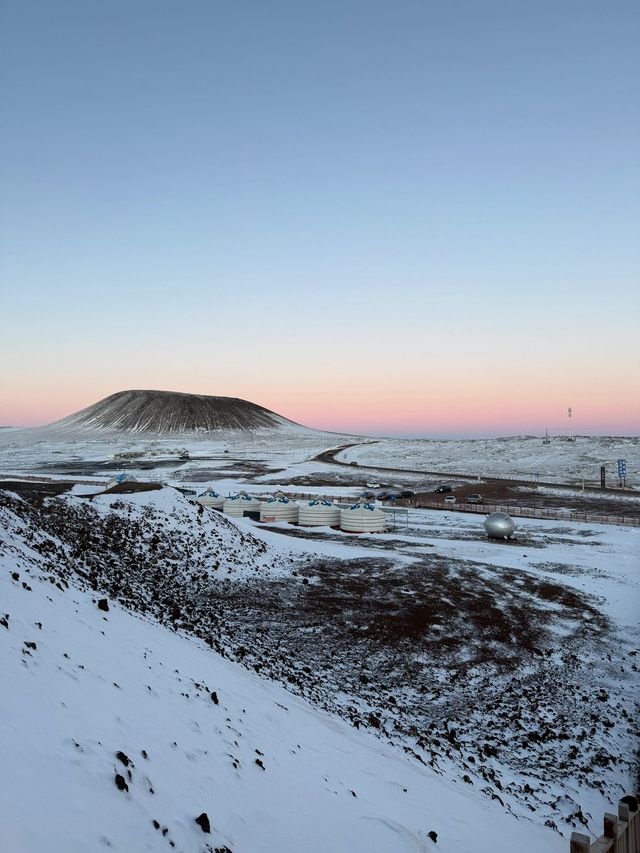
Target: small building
column 499, row 525
column 237, row 505
column 362, row 517
column 279, row 508
column 211, row 498
column 319, row 513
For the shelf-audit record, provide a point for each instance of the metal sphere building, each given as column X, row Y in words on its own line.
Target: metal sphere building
column 499, row 525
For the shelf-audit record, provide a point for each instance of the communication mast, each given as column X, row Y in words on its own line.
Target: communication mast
column 570, row 436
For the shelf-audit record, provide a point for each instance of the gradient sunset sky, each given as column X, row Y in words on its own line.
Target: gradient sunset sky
column 403, row 218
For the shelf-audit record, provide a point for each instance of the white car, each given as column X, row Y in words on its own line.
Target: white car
column 450, row 499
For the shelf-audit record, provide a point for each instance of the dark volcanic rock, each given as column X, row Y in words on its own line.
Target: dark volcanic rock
column 171, row 412
column 103, row 604
column 121, row 785
column 203, row 822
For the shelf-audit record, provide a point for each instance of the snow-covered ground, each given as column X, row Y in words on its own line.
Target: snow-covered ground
column 518, row 457
column 442, row 683
column 237, row 454
column 289, row 455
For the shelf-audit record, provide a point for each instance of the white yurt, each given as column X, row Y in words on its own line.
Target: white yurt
column 211, row 498
column 237, row 505
column 319, row 513
column 362, row 517
column 279, row 508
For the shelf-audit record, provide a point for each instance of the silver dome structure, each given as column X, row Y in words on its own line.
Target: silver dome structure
column 499, row 525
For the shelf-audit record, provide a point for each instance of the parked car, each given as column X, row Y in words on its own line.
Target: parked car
column 450, row 499
column 407, row 494
column 441, row 489
column 474, row 499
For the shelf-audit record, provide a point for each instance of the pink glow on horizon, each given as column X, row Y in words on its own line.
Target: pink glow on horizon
column 442, row 416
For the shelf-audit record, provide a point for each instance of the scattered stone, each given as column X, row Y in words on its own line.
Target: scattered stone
column 214, row 697
column 103, row 604
column 30, row 645
column 259, row 763
column 433, row 836
column 121, row 785
column 203, row 822
column 124, row 758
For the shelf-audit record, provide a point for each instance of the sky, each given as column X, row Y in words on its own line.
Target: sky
column 412, row 218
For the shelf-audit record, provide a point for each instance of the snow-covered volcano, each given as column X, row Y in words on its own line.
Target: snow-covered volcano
column 166, row 412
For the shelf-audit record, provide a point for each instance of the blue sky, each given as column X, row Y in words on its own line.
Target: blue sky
column 193, row 189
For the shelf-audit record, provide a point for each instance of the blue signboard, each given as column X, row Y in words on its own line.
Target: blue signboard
column 622, row 467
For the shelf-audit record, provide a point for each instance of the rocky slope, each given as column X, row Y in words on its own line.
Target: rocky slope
column 169, row 412
column 120, row 733
column 525, row 713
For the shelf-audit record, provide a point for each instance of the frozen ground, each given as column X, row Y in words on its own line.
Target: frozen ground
column 241, row 455
column 518, row 457
column 485, row 691
column 288, row 455
column 118, row 733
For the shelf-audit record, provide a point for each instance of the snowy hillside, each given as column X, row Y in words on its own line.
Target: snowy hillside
column 118, row 733
column 519, row 729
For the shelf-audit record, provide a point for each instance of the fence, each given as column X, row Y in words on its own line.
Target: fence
column 621, row 833
column 529, row 512
column 35, row 478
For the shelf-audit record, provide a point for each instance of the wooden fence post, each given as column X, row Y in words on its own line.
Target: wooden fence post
column 624, row 818
column 628, row 811
column 579, row 843
column 611, row 831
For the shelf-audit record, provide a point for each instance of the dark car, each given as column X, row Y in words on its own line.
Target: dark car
column 474, row 499
column 441, row 489
column 406, row 494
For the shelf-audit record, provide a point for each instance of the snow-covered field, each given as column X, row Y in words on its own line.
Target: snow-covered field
column 436, row 682
column 518, row 457
column 239, row 455
column 288, row 455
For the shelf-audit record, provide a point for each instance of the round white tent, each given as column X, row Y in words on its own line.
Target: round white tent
column 319, row 513
column 279, row 508
column 237, row 505
column 211, row 498
column 362, row 517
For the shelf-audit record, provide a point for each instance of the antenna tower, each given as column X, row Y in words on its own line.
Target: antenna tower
column 570, row 437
